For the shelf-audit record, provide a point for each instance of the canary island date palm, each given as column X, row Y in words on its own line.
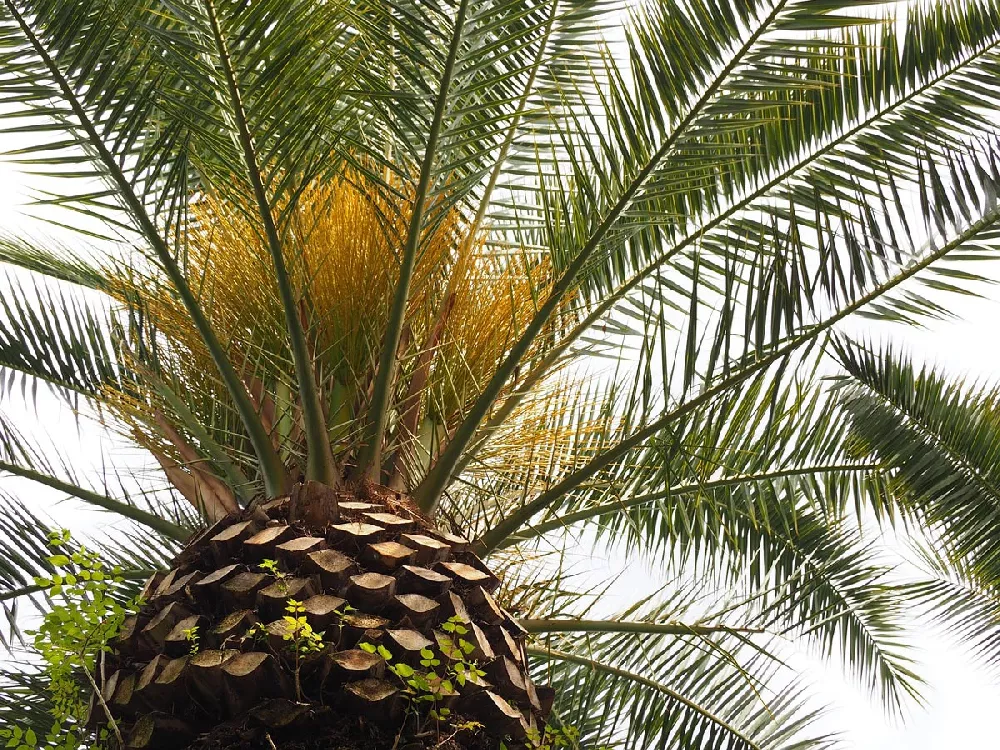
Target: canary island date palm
column 391, row 289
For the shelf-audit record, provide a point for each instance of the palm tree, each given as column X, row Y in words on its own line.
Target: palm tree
column 387, row 289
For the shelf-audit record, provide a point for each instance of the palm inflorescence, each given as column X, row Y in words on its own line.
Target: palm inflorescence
column 387, row 290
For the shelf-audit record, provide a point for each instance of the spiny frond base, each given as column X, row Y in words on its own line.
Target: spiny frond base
column 330, row 617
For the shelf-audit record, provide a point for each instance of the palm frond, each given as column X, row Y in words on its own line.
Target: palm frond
column 756, row 492
column 765, row 355
column 54, row 261
column 941, row 438
column 86, row 113
column 619, row 199
column 566, row 270
column 707, row 691
column 21, row 459
column 51, row 336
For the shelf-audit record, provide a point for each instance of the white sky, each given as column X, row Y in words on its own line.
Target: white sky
column 961, row 698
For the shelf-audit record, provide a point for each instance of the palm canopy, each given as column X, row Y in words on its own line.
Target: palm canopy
column 557, row 269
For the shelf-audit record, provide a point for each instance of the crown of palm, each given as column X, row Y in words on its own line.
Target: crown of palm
column 559, row 269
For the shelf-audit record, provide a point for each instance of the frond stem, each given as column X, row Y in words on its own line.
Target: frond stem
column 319, row 461
column 369, row 458
column 564, row 521
column 161, row 525
column 428, row 493
column 627, row 626
column 508, row 140
column 583, row 661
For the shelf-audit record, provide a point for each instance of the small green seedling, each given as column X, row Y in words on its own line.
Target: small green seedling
column 86, row 613
column 554, row 737
column 193, row 638
column 435, row 681
column 302, row 639
column 381, row 650
column 271, row 568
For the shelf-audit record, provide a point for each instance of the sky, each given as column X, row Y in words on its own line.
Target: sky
column 961, row 698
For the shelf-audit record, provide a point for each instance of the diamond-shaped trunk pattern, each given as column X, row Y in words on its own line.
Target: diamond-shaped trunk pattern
column 368, row 569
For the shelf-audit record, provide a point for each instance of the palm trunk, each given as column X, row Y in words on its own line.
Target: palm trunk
column 330, row 619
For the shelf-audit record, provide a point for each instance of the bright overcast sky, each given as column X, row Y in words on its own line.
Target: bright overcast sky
column 961, row 698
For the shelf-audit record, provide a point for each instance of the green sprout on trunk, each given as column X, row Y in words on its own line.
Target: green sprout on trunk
column 70, row 640
column 302, row 639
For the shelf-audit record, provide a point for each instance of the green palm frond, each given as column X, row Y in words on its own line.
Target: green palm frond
column 802, row 579
column 773, row 348
column 940, row 436
column 755, row 491
column 645, row 691
column 852, row 127
column 967, row 612
column 60, row 61
column 768, row 434
column 561, row 271
column 51, row 336
column 937, row 436
column 57, row 262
